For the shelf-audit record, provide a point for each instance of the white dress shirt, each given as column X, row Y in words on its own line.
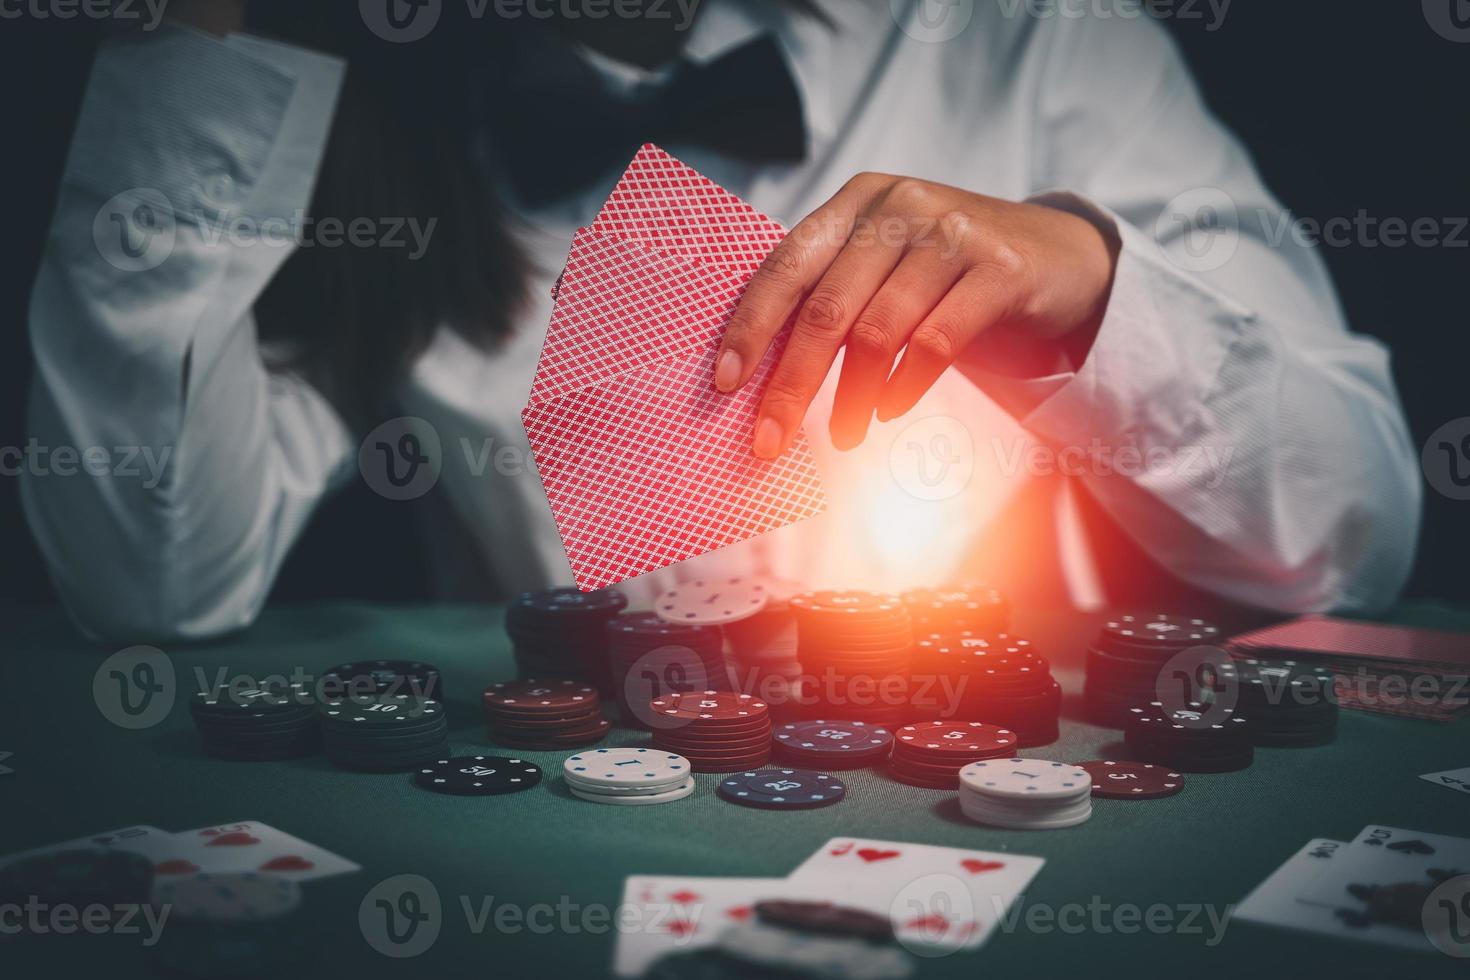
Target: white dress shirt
column 1283, row 474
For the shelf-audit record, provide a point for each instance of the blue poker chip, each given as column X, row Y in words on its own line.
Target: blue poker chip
column 782, row 789
column 834, row 739
column 569, row 601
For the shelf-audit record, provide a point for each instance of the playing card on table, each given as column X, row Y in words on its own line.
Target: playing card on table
column 1276, row 902
column 662, row 915
column 250, row 846
column 1455, row 779
column 940, row 897
column 645, row 464
column 1388, row 856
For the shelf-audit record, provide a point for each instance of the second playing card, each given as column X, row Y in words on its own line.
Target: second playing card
column 251, row 846
column 662, row 915
column 942, row 897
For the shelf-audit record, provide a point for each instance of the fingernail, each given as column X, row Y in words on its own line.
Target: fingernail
column 767, row 443
column 727, row 371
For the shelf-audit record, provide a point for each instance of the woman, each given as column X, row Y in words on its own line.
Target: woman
column 1004, row 209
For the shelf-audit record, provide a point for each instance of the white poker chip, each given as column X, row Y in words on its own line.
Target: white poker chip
column 1031, row 812
column 997, row 818
column 636, row 799
column 1032, row 779
column 227, row 896
column 712, row 602
column 625, row 767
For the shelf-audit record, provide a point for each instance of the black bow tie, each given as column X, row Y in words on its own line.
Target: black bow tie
column 555, row 127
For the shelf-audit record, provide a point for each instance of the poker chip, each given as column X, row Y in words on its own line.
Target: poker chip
column 478, row 775
column 258, row 724
column 957, row 607
column 1129, row 655
column 932, row 753
column 679, row 792
column 716, row 731
column 712, row 602
column 857, row 647
column 389, row 733
column 999, row 679
column 559, row 634
column 1025, row 794
column 77, row 878
column 782, row 789
column 628, row 776
column 1195, row 737
column 1132, row 780
column 650, row 657
column 1290, row 704
column 825, row 918
column 544, row 715
column 227, row 897
column 376, row 678
column 823, row 744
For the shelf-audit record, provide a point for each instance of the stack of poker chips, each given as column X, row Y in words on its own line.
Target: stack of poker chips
column 763, row 657
column 119, row 882
column 628, row 777
column 260, row 724
column 559, row 634
column 366, row 678
column 1127, row 658
column 1025, row 794
column 649, row 656
column 536, row 715
column 855, row 650
column 1290, row 705
column 389, row 733
column 948, row 608
column 999, row 679
column 832, row 744
column 716, row 731
column 930, row 754
column 1194, row 737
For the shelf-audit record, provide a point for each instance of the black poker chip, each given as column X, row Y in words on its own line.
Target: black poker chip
column 78, row 878
column 832, row 744
column 825, row 918
column 782, row 789
column 478, row 775
column 375, row 678
column 259, row 723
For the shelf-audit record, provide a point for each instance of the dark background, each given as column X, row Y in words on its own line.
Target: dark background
column 1345, row 107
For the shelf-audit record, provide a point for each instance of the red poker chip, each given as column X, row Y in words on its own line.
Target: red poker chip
column 540, row 696
column 1132, row 780
column 922, row 782
column 712, row 705
column 955, row 738
column 726, row 765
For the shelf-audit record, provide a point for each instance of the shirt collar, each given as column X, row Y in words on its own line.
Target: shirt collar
column 721, row 27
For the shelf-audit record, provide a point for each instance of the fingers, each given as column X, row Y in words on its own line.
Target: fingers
column 784, row 278
column 822, row 325
column 915, row 288
column 975, row 303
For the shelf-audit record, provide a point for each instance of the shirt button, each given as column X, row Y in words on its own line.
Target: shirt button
column 220, row 191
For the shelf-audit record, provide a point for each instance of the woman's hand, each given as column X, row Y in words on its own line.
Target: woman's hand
column 891, row 262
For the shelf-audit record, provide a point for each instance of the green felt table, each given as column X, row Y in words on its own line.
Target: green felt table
column 76, row 773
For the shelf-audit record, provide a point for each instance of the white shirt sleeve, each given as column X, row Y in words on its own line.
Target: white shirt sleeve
column 1265, row 451
column 192, row 161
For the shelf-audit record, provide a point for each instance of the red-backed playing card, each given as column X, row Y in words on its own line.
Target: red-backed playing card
column 643, row 462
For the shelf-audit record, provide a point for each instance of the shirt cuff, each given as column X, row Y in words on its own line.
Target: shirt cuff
column 200, row 121
column 1146, row 380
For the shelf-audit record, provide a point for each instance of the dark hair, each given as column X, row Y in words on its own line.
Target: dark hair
column 400, row 148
